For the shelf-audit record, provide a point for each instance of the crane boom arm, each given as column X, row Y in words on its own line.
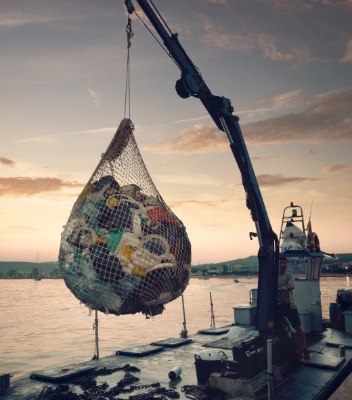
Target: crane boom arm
column 191, row 84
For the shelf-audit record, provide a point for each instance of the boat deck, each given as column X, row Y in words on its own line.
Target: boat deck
column 316, row 379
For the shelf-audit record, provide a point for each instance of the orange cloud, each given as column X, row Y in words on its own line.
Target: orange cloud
column 200, row 139
column 217, row 36
column 326, row 119
column 267, row 43
column 217, row 1
column 309, row 5
column 285, row 100
column 348, row 55
column 279, row 180
column 24, row 187
column 227, row 41
column 206, row 203
column 7, row 162
column 94, row 96
column 336, row 169
column 257, row 159
column 220, row 37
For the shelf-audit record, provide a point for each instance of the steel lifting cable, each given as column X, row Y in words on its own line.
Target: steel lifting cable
column 157, row 11
column 128, row 86
column 170, row 55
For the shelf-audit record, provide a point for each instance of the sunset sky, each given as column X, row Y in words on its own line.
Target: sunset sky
column 286, row 65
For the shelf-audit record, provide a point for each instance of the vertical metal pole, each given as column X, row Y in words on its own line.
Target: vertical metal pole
column 212, row 318
column 96, row 335
column 269, row 344
column 184, row 331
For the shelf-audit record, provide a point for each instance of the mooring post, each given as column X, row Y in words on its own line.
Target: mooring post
column 212, row 318
column 95, row 327
column 184, row 331
column 269, row 344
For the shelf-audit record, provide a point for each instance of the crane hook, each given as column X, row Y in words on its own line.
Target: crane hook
column 129, row 32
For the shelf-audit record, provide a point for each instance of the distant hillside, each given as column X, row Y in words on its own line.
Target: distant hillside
column 252, row 261
column 23, row 266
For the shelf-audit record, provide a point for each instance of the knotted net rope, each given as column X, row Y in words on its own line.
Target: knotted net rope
column 123, row 250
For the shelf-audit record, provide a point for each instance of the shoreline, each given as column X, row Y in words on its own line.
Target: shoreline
column 200, row 277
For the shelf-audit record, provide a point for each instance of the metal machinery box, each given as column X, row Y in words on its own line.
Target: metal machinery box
column 245, row 314
column 348, row 320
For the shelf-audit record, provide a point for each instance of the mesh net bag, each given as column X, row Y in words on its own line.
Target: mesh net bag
column 123, row 250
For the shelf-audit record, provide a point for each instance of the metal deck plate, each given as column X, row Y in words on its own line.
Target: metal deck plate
column 140, row 351
column 57, row 375
column 327, row 360
column 340, row 341
column 319, row 347
column 172, row 342
column 215, row 331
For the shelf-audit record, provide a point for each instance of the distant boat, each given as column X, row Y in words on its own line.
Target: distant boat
column 38, row 278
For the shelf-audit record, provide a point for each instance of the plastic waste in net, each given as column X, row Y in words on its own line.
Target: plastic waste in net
column 123, row 250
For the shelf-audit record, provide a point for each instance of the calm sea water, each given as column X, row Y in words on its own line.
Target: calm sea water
column 43, row 324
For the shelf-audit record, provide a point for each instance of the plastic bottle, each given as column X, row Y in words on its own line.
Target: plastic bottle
column 175, row 373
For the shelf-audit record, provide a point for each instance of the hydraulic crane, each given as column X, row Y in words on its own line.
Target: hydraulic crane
column 191, row 84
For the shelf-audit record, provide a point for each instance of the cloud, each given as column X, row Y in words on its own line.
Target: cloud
column 94, row 96
column 217, row 36
column 337, row 3
column 190, row 119
column 267, row 44
column 285, row 100
column 189, row 180
column 257, row 159
column 26, row 13
column 220, row 37
column 310, row 5
column 326, row 119
column 198, row 140
column 348, row 55
column 337, row 169
column 56, row 137
column 217, row 1
column 227, row 41
column 24, row 186
column 7, row 162
column 16, row 17
column 279, row 180
column 206, row 203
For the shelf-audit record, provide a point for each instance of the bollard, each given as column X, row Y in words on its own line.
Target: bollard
column 342, row 351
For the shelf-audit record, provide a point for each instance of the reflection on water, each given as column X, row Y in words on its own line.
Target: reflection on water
column 43, row 324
